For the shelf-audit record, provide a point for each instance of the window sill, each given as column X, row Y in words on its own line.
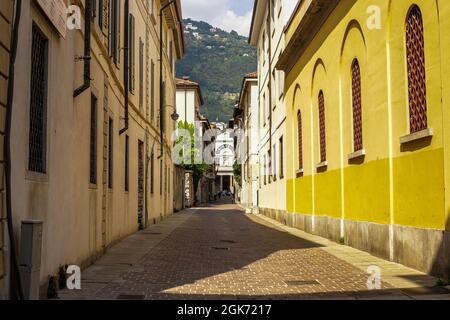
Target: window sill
column 416, row 136
column 357, row 154
column 323, row 165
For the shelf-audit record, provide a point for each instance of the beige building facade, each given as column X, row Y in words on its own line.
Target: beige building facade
column 92, row 167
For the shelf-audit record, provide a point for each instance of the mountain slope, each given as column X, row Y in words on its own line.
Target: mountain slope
column 217, row 60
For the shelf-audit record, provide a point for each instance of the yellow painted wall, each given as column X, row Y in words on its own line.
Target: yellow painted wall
column 393, row 184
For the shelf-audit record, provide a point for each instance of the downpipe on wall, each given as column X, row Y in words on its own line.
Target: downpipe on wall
column 87, row 50
column 16, row 290
column 126, row 67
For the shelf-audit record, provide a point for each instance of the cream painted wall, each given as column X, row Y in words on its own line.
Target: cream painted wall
column 80, row 219
column 272, row 195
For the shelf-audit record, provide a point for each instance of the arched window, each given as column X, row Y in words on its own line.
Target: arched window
column 323, row 142
column 415, row 51
column 300, row 140
column 357, row 106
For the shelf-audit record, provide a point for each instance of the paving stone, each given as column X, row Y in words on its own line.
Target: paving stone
column 262, row 261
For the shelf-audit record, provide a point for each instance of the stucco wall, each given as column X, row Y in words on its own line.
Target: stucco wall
column 81, row 219
column 399, row 188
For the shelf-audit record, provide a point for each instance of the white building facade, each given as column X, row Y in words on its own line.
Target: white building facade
column 268, row 22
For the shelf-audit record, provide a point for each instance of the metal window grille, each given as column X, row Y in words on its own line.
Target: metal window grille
column 132, row 53
column 160, row 178
column 110, row 154
column 127, row 163
column 38, row 105
column 141, row 73
column 357, row 106
column 141, row 184
column 93, row 142
column 281, row 158
column 152, row 91
column 152, row 173
column 323, row 142
column 415, row 47
column 300, row 140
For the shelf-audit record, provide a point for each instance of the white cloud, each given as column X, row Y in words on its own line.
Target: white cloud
column 219, row 14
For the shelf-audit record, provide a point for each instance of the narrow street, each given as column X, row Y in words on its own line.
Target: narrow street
column 219, row 252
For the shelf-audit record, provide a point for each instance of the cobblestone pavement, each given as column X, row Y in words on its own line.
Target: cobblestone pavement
column 220, row 253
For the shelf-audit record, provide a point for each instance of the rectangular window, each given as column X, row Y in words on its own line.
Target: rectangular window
column 132, row 52
column 152, row 91
column 110, row 153
column 281, row 158
column 100, row 14
column 114, row 24
column 171, row 56
column 141, row 74
column 160, row 177
column 274, row 163
column 127, row 163
column 141, row 184
column 265, row 169
column 37, row 152
column 152, row 173
column 93, row 142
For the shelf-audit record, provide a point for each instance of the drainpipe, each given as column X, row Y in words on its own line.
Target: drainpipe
column 126, row 65
column 16, row 290
column 87, row 50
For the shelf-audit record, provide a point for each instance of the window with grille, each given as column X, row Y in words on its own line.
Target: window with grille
column 357, row 106
column 415, row 49
column 300, row 140
column 141, row 73
column 152, row 90
column 93, row 141
column 37, row 156
column 152, row 173
column 322, row 129
column 132, row 48
column 141, row 184
column 265, row 169
column 160, row 177
column 127, row 163
column 110, row 153
column 274, row 163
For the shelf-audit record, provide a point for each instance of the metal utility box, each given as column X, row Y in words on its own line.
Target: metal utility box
column 30, row 258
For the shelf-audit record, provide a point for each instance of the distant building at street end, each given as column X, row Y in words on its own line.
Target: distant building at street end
column 189, row 100
column 247, row 121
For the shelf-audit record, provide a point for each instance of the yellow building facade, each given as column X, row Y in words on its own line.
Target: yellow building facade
column 368, row 116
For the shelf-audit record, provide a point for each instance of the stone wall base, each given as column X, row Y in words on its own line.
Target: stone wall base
column 426, row 250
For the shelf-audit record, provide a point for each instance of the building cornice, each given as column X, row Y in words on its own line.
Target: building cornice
column 310, row 24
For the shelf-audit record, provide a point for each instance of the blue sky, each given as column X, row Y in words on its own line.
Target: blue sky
column 225, row 14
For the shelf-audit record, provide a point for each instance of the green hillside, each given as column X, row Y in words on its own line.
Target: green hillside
column 217, row 60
